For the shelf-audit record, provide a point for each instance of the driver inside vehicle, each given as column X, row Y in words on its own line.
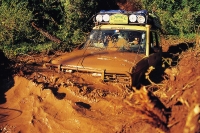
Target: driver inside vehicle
column 117, row 40
column 136, row 41
column 126, row 40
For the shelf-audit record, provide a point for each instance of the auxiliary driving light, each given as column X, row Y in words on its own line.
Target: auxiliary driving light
column 132, row 18
column 99, row 18
column 106, row 17
column 140, row 19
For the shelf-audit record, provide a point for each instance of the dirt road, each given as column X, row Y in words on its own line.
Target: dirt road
column 36, row 99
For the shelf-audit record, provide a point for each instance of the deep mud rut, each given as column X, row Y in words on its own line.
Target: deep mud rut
column 36, row 99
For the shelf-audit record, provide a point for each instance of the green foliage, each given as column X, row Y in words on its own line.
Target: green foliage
column 14, row 22
column 25, row 48
column 179, row 17
column 48, row 15
column 77, row 13
column 69, row 20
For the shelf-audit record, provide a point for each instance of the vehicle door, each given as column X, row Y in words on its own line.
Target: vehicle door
column 154, row 49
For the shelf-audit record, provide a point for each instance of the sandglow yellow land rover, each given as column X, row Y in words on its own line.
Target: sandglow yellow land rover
column 120, row 48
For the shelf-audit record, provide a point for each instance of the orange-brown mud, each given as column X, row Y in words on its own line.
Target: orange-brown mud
column 39, row 100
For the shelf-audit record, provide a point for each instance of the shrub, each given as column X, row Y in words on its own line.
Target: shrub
column 14, row 24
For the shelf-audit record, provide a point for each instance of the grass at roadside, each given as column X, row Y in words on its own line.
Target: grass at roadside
column 25, row 48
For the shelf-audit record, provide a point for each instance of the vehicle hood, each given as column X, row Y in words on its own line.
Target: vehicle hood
column 110, row 61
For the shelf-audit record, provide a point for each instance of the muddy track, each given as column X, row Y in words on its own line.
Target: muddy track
column 62, row 102
column 86, row 92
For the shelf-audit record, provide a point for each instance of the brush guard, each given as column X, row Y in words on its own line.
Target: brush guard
column 106, row 76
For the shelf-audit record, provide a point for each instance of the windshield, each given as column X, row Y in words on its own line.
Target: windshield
column 124, row 40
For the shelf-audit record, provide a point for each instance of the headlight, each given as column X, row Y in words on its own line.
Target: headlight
column 132, row 18
column 106, row 17
column 99, row 18
column 140, row 19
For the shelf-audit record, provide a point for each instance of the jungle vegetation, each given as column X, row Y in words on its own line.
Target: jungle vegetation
column 43, row 25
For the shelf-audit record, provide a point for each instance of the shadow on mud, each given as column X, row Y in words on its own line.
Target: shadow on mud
column 172, row 54
column 179, row 48
column 83, row 105
column 7, row 114
column 6, row 79
column 157, row 74
column 175, row 50
column 58, row 95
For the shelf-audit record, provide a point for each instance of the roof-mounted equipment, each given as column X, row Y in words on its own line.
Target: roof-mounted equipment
column 141, row 17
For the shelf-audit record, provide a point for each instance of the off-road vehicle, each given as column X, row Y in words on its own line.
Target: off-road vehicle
column 120, row 48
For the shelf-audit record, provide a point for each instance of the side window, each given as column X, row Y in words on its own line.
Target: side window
column 157, row 39
column 154, row 39
column 154, row 42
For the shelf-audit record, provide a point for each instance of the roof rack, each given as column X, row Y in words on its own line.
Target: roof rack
column 140, row 17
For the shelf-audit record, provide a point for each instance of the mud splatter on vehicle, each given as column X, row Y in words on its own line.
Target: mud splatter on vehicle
column 120, row 48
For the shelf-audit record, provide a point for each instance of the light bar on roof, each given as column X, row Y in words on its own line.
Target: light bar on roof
column 122, row 17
